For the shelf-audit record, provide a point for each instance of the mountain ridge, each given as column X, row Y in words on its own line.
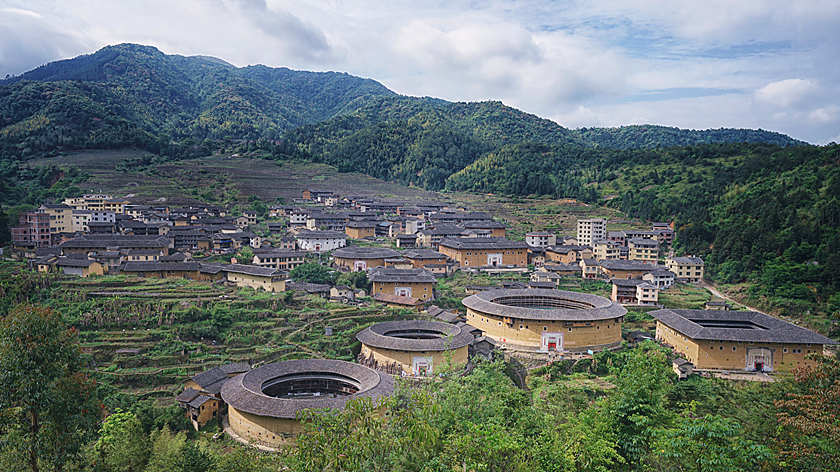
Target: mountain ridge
column 160, row 99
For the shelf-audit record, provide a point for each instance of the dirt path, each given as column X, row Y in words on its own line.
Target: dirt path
column 711, row 288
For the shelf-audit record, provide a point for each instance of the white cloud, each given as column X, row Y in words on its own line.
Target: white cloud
column 786, row 93
column 767, row 63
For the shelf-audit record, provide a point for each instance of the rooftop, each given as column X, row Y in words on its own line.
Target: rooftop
column 544, row 304
column 282, row 389
column 482, row 243
column 415, row 335
column 361, row 252
column 389, row 274
column 738, row 326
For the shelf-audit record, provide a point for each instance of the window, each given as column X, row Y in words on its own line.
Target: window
column 545, row 328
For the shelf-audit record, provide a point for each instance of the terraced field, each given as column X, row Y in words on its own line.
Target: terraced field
column 148, row 336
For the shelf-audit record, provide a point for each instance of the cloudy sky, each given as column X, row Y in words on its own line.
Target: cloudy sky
column 717, row 63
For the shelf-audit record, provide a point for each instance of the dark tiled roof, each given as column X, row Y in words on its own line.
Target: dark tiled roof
column 570, row 306
column 245, row 391
column 251, row 270
column 160, row 266
column 211, row 380
column 396, row 299
column 487, row 224
column 766, row 329
column 73, row 262
column 390, row 335
column 199, row 400
column 423, row 254
column 361, row 224
column 443, row 230
column 360, row 252
column 626, row 265
column 688, row 260
column 482, row 243
column 321, row 235
column 566, row 248
column 388, row 274
column 308, row 287
column 188, row 395
column 643, row 242
column 105, row 241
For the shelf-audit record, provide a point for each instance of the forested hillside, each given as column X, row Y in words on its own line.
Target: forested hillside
column 134, row 95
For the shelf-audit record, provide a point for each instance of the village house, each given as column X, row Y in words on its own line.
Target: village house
column 636, row 292
column 431, row 237
column 320, row 241
column 687, row 269
column 624, row 269
column 412, row 226
column 541, row 276
column 591, row 230
column 201, row 397
column 317, row 195
column 360, row 229
column 258, row 278
column 326, row 221
column 589, row 268
column 33, row 230
column 142, row 255
column 478, row 252
column 660, row 277
column 604, row 249
column 646, row 250
column 79, row 266
column 568, row 254
column 540, row 239
column 423, row 257
column 619, row 237
column 566, row 270
column 357, row 258
column 738, row 340
column 536, row 256
column 61, row 217
column 496, row 229
column 406, row 241
column 278, row 258
column 297, row 218
column 163, row 270
column 414, row 283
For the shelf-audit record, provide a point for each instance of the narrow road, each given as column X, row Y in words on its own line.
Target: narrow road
column 711, row 288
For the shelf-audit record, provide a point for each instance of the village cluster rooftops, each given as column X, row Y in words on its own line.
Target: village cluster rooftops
column 737, row 326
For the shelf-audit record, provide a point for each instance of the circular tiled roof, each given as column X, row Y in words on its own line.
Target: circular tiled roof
column 544, row 304
column 415, row 335
column 245, row 391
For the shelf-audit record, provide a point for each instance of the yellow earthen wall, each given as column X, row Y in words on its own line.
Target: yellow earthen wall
column 455, row 357
column 421, row 291
column 576, row 335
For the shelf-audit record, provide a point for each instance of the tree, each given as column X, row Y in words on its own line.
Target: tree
column 706, row 444
column 637, row 407
column 122, row 445
column 313, row 273
column 41, row 381
column 356, row 279
column 809, row 418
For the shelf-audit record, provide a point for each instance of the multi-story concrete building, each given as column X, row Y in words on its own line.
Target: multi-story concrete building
column 33, row 230
column 640, row 249
column 637, row 292
column 61, row 217
column 320, row 241
column 687, row 269
column 591, row 230
column 605, row 250
column 540, row 239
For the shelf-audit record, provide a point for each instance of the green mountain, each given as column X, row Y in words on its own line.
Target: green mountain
column 134, row 95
